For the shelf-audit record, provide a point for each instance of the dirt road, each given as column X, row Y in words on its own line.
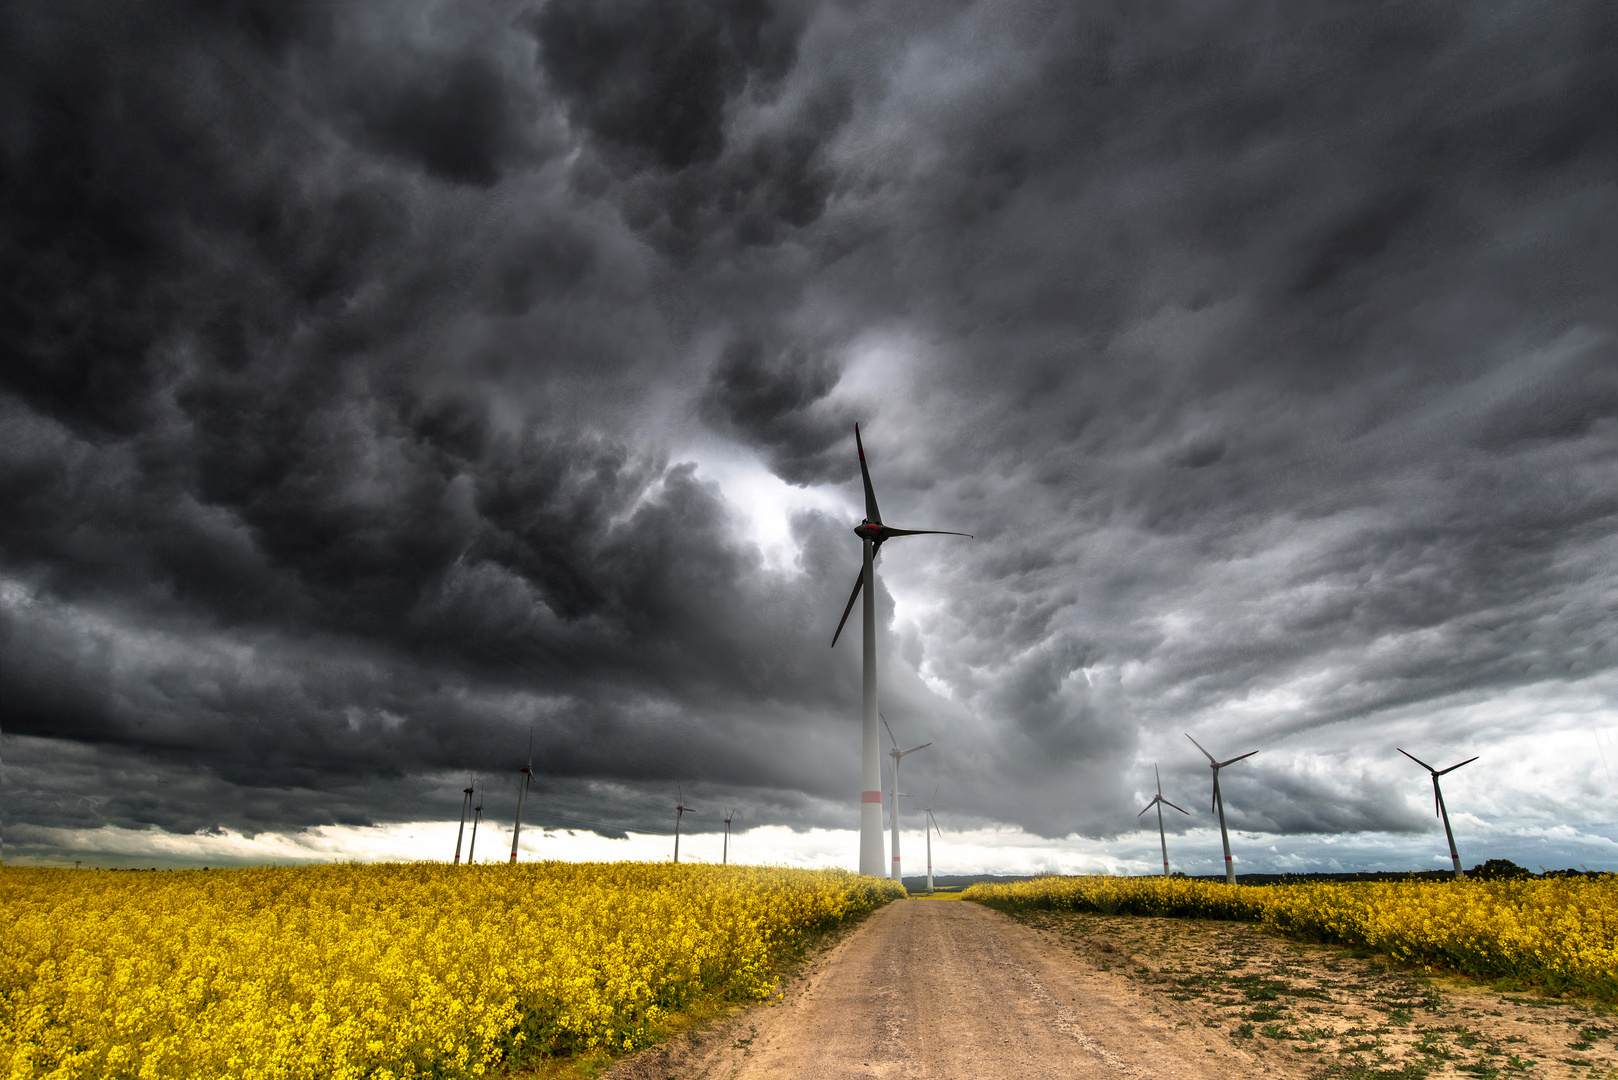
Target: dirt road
column 929, row 988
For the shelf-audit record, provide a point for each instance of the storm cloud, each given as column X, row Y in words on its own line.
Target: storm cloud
column 381, row 385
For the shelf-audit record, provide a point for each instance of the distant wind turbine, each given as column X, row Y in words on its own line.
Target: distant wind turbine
column 896, row 754
column 679, row 812
column 873, row 534
column 1219, row 804
column 466, row 800
column 724, row 860
column 928, row 832
column 1438, row 803
column 522, row 789
column 1161, row 802
column 477, row 816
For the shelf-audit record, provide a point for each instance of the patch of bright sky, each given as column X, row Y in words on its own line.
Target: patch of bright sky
column 763, row 503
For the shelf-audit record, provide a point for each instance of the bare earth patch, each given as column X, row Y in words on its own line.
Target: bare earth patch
column 930, row 989
column 1324, row 1012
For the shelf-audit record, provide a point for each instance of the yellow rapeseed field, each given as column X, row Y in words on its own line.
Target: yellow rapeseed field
column 383, row 971
column 1560, row 933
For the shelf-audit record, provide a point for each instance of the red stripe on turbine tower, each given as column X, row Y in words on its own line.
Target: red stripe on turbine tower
column 870, row 796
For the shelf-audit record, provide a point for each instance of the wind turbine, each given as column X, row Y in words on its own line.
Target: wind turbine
column 1161, row 802
column 466, row 800
column 1438, row 803
column 1218, row 803
column 477, row 816
column 928, row 833
column 872, row 534
column 522, row 789
column 896, row 754
column 724, row 860
column 679, row 812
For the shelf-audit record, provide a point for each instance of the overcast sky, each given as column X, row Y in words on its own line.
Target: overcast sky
column 383, row 382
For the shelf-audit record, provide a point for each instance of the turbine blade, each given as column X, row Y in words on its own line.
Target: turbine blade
column 853, row 596
column 1452, row 768
column 1148, row 807
column 871, row 512
column 884, row 720
column 1205, row 753
column 1416, row 759
column 924, row 532
column 1234, row 760
column 913, row 749
column 1187, row 813
column 1159, row 775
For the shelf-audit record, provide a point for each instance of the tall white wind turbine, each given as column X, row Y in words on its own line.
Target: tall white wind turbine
column 724, row 860
column 477, row 816
column 873, row 534
column 522, row 789
column 679, row 812
column 896, row 755
column 1161, row 802
column 1219, row 804
column 928, row 830
column 466, row 800
column 1438, row 803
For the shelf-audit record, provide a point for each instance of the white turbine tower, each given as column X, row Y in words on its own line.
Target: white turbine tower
column 928, row 832
column 1219, row 804
column 1161, row 802
column 873, row 534
column 1438, row 804
column 522, row 789
column 466, row 800
column 679, row 812
column 724, row 860
column 896, row 755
